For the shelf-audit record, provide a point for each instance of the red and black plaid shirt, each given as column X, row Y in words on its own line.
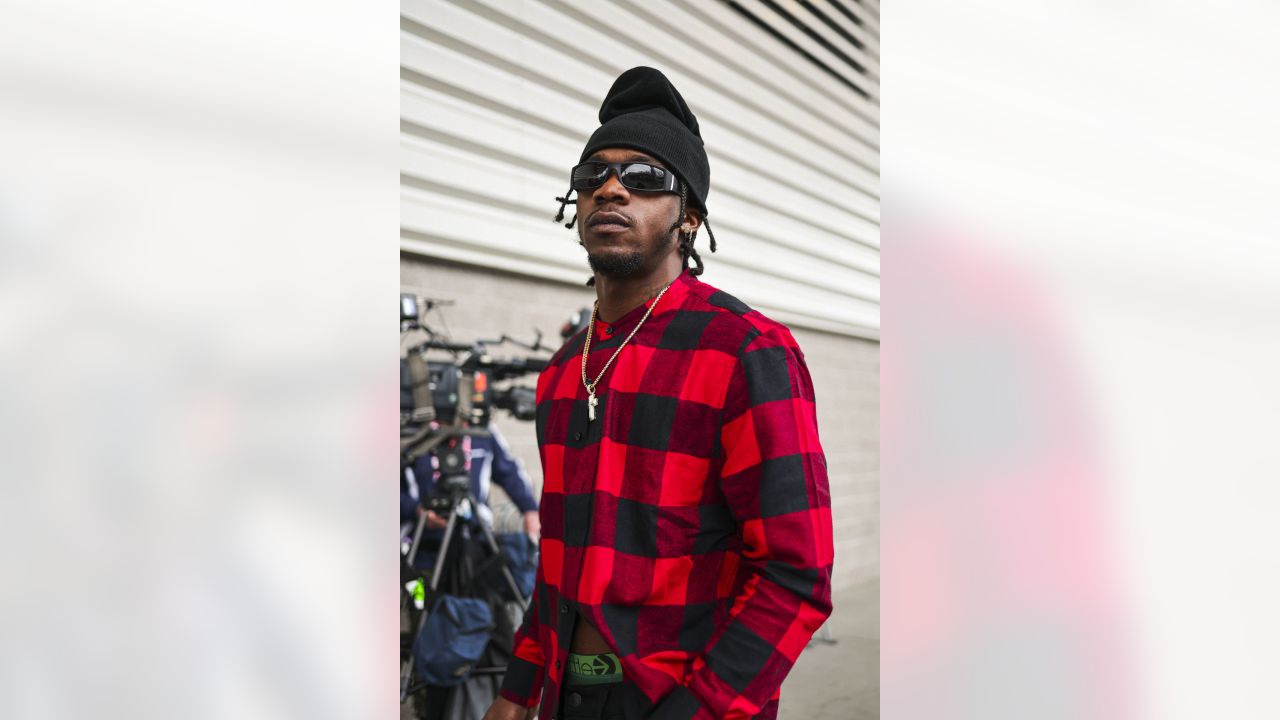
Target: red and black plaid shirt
column 690, row 523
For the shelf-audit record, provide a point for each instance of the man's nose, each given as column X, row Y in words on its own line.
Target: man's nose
column 611, row 189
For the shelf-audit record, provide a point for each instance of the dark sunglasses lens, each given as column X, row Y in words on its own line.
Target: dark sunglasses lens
column 589, row 175
column 642, row 176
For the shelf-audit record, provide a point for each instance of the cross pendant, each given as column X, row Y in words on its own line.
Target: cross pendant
column 591, row 406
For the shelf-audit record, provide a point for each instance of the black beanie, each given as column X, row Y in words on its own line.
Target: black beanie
column 644, row 111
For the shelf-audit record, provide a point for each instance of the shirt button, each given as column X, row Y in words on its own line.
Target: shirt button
column 609, row 330
column 578, row 435
column 564, row 607
column 574, row 700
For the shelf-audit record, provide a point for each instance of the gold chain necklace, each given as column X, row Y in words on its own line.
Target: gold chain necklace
column 592, row 401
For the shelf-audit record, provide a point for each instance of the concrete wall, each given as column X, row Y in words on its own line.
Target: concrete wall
column 845, row 370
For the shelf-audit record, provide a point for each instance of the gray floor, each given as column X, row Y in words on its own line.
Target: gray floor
column 840, row 681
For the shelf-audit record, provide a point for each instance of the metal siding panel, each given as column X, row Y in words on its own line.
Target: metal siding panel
column 709, row 51
column 483, row 130
column 806, row 13
column 869, row 19
column 799, row 71
column 779, row 24
column 791, row 159
column 497, row 98
column 872, row 42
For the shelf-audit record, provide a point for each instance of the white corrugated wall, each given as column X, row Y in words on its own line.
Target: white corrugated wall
column 499, row 96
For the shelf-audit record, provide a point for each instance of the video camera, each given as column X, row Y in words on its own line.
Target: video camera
column 437, row 388
column 442, row 401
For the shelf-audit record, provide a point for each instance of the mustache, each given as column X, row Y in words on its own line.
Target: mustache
column 608, row 214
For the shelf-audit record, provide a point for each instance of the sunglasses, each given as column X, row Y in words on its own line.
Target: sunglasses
column 634, row 175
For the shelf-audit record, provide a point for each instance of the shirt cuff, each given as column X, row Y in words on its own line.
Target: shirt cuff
column 522, row 683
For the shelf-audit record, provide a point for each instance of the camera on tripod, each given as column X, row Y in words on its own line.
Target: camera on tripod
column 454, row 485
column 441, row 387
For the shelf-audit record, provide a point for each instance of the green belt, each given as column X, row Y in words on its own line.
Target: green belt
column 594, row 669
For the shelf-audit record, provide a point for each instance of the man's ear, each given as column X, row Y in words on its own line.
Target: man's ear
column 692, row 221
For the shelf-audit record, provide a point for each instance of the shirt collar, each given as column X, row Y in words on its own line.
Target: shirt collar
column 671, row 299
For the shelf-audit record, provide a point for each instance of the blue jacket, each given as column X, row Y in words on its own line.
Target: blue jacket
column 491, row 462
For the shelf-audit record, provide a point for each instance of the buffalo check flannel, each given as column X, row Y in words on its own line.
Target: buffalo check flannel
column 691, row 521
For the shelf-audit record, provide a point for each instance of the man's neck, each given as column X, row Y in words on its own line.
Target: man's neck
column 619, row 296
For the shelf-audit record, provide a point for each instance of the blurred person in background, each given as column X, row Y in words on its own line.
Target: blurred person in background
column 491, row 462
column 687, row 548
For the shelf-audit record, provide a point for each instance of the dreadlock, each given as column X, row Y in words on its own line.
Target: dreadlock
column 686, row 239
column 591, row 281
column 684, row 196
column 565, row 201
column 687, row 251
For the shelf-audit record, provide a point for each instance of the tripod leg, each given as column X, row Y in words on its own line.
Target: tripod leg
column 406, row 672
column 417, row 538
column 413, row 553
column 405, row 676
column 492, row 542
column 449, row 528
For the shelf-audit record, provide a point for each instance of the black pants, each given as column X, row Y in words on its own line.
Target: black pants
column 591, row 702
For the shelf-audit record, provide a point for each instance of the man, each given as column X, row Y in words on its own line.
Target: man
column 491, row 462
column 686, row 547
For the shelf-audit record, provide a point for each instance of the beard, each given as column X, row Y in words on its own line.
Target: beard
column 617, row 265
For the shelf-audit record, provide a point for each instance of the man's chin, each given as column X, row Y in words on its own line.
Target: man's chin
column 616, row 264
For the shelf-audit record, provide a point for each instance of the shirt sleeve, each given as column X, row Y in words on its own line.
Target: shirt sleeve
column 408, row 508
column 408, row 503
column 522, row 683
column 774, row 479
column 425, row 476
column 510, row 476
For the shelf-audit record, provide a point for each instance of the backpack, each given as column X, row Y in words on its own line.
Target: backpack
column 452, row 640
